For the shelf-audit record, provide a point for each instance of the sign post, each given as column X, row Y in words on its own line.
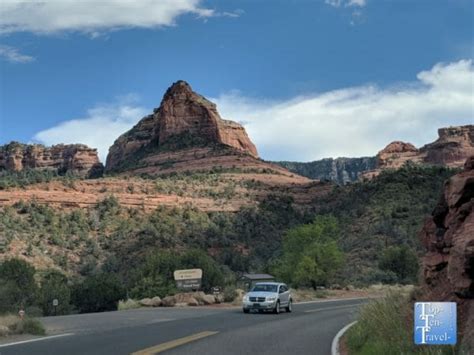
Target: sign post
column 55, row 305
column 188, row 280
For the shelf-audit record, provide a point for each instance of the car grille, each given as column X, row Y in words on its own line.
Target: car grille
column 257, row 299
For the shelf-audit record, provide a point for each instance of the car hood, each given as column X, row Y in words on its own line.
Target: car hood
column 262, row 294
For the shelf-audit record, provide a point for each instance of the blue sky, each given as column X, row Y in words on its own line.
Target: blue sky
column 308, row 78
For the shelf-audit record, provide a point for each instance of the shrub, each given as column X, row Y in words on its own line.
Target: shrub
column 385, row 327
column 17, row 285
column 229, row 294
column 401, row 261
column 29, row 326
column 54, row 286
column 98, row 293
column 128, row 304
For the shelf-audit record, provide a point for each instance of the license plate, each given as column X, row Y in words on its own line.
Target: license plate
column 256, row 305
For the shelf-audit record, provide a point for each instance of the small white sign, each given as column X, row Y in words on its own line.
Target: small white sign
column 55, row 302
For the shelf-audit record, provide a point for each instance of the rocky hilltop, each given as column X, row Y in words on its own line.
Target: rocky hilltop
column 451, row 149
column 78, row 159
column 453, row 146
column 339, row 170
column 185, row 127
column 448, row 236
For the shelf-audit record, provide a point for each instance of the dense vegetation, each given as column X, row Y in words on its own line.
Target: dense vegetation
column 378, row 214
column 362, row 233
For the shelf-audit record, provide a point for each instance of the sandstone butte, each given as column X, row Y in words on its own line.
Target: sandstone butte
column 453, row 146
column 448, row 237
column 185, row 133
column 78, row 159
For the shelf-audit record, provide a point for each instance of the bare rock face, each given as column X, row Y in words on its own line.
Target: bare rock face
column 184, row 120
column 396, row 154
column 448, row 266
column 76, row 158
column 453, row 146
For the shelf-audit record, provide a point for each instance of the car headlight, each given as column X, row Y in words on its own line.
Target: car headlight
column 246, row 298
column 271, row 298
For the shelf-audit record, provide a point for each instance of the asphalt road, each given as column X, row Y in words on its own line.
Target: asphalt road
column 309, row 329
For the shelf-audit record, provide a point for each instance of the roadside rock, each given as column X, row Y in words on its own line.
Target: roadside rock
column 448, row 236
column 147, row 302
column 168, row 301
column 156, row 301
column 4, row 330
column 208, row 299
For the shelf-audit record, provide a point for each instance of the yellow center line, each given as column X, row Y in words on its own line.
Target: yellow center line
column 330, row 308
column 173, row 343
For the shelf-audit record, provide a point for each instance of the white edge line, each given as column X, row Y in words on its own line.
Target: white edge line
column 36, row 339
column 335, row 341
column 333, row 300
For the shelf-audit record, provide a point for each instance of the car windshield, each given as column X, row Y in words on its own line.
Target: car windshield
column 265, row 288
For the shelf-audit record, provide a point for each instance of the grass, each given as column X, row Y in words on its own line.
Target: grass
column 385, row 326
column 16, row 325
column 128, row 304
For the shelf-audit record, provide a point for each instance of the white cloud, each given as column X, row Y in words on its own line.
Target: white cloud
column 91, row 16
column 351, row 122
column 99, row 129
column 346, row 3
column 359, row 3
column 13, row 55
column 357, row 121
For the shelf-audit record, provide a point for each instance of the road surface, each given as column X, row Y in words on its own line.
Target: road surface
column 309, row 329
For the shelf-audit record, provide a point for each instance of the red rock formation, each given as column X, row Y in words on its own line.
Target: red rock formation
column 396, row 154
column 448, row 266
column 76, row 158
column 184, row 119
column 453, row 146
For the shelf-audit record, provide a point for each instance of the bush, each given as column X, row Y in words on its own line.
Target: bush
column 54, row 286
column 229, row 294
column 128, row 304
column 17, row 285
column 98, row 293
column 385, row 326
column 29, row 326
column 402, row 262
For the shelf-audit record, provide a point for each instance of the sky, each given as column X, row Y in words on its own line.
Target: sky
column 309, row 79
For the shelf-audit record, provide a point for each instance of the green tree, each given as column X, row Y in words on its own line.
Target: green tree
column 17, row 285
column 402, row 261
column 54, row 286
column 310, row 256
column 98, row 293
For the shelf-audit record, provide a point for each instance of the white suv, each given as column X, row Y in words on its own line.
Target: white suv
column 268, row 296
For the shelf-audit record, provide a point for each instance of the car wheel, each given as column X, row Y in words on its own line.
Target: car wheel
column 276, row 310
column 246, row 310
column 289, row 309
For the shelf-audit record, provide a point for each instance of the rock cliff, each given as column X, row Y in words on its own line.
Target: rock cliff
column 185, row 120
column 448, row 236
column 453, row 146
column 75, row 158
column 339, row 170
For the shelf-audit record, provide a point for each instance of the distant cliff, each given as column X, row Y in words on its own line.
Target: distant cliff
column 340, row 170
column 453, row 146
column 78, row 159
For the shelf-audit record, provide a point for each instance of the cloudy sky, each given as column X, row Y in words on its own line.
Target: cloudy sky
column 308, row 78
